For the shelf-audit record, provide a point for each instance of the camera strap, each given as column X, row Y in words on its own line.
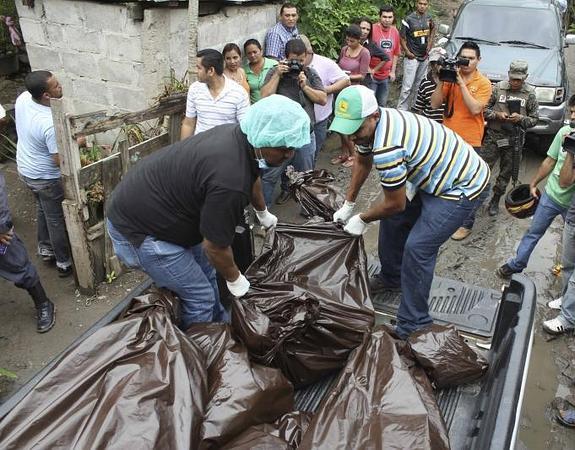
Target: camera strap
column 448, row 105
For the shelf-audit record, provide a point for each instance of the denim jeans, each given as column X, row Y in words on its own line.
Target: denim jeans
column 408, row 252
column 568, row 274
column 303, row 159
column 381, row 90
column 15, row 265
column 320, row 131
column 413, row 72
column 546, row 211
column 185, row 271
column 52, row 234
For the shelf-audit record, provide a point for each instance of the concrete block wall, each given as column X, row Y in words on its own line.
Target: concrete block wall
column 105, row 60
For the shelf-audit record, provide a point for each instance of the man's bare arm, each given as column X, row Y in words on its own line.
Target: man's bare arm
column 359, row 173
column 188, row 127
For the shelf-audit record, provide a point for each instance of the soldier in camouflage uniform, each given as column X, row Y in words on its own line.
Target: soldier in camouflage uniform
column 498, row 142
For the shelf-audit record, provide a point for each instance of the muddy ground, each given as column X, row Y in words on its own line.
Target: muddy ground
column 552, row 366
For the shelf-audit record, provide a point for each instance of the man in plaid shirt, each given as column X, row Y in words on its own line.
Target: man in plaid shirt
column 278, row 35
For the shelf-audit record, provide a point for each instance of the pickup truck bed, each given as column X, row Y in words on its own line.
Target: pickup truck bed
column 482, row 415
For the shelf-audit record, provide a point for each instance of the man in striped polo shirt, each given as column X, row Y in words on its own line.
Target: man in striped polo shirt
column 214, row 99
column 431, row 179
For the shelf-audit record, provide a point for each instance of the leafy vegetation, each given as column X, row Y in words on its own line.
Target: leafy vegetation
column 324, row 21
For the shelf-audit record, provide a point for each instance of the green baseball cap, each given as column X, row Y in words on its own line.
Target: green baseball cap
column 352, row 106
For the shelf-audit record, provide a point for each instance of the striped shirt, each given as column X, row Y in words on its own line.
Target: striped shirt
column 433, row 158
column 423, row 100
column 228, row 107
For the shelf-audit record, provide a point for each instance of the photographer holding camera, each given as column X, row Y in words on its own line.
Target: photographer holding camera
column 506, row 128
column 294, row 80
column 465, row 92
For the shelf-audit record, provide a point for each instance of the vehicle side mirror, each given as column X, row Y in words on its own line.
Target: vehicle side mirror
column 570, row 39
column 444, row 29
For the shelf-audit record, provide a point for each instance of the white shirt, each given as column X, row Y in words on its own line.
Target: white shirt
column 228, row 107
column 36, row 139
column 2, row 112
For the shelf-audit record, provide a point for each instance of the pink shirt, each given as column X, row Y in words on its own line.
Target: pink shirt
column 389, row 41
column 359, row 64
column 329, row 72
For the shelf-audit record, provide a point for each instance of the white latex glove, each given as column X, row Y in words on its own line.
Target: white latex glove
column 239, row 287
column 355, row 226
column 343, row 214
column 266, row 218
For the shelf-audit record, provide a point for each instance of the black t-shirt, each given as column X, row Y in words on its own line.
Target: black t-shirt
column 288, row 86
column 194, row 189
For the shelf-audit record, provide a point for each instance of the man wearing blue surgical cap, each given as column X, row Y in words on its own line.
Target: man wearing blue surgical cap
column 175, row 213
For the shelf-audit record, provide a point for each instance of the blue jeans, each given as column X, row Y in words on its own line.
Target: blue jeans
column 184, row 271
column 381, row 90
column 568, row 273
column 303, row 159
column 51, row 232
column 320, row 131
column 545, row 213
column 408, row 253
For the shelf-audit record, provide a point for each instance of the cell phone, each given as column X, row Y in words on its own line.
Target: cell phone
column 569, row 143
column 3, row 249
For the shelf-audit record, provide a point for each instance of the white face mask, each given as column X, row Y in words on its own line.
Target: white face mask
column 262, row 163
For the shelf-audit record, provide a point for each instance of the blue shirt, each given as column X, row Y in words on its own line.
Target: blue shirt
column 408, row 147
column 36, row 140
column 276, row 40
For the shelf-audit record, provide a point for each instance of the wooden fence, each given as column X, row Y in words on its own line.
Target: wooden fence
column 85, row 219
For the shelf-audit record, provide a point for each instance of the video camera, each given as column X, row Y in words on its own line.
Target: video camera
column 569, row 143
column 448, row 70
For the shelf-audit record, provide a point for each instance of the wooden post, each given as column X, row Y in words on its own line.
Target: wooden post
column 111, row 174
column 193, row 13
column 175, row 127
column 75, row 211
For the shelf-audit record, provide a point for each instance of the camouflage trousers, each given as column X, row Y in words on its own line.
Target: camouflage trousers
column 491, row 152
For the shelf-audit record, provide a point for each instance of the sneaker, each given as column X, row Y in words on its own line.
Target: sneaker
column 461, row 234
column 48, row 258
column 505, row 271
column 63, row 273
column 555, row 304
column 376, row 286
column 46, row 317
column 557, row 326
column 283, row 197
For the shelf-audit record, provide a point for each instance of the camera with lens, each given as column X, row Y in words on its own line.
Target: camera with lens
column 448, row 70
column 569, row 143
column 294, row 66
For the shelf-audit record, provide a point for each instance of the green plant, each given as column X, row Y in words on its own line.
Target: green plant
column 7, row 148
column 324, row 21
column 110, row 277
column 7, row 8
column 174, row 85
column 89, row 155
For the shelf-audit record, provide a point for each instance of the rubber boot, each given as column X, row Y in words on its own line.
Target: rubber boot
column 493, row 208
column 46, row 316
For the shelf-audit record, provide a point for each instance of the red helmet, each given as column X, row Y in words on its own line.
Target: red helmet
column 520, row 203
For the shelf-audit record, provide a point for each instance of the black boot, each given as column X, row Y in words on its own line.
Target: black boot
column 493, row 208
column 46, row 316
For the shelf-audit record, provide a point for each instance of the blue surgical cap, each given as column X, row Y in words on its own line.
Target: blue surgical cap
column 276, row 121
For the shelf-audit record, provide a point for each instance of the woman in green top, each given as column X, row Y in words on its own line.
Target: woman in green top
column 257, row 67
